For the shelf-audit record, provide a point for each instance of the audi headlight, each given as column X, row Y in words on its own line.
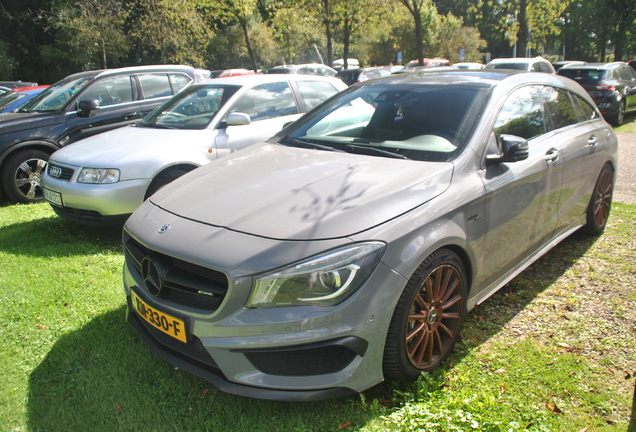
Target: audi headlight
column 98, row 175
column 323, row 280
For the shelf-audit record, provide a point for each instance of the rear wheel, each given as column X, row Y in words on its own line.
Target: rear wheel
column 600, row 203
column 617, row 119
column 428, row 317
column 21, row 175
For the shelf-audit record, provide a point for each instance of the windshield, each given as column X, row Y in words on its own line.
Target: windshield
column 583, row 76
column 192, row 108
column 57, row 96
column 9, row 98
column 515, row 66
column 420, row 122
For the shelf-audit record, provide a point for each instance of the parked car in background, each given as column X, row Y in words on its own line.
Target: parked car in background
column 230, row 72
column 352, row 76
column 351, row 64
column 350, row 247
column 611, row 85
column 535, row 64
column 428, row 62
column 303, row 69
column 559, row 64
column 79, row 106
column 471, row 66
column 4, row 90
column 14, row 99
column 16, row 84
column 103, row 179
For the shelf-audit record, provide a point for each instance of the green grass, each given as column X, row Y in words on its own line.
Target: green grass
column 554, row 350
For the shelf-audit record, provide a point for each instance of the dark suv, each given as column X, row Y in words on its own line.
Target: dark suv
column 611, row 85
column 74, row 108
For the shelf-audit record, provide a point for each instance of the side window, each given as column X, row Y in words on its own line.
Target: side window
column 110, row 91
column 521, row 114
column 584, row 110
column 560, row 107
column 178, row 82
column 536, row 67
column 266, row 101
column 155, row 85
column 314, row 92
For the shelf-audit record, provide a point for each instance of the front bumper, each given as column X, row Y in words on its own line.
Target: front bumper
column 96, row 203
column 283, row 353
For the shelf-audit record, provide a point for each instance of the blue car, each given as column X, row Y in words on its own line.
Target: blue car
column 14, row 99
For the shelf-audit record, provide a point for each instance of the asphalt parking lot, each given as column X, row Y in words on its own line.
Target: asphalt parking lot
column 625, row 189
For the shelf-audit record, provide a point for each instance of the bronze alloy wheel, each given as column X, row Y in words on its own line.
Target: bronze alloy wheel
column 428, row 317
column 435, row 317
column 603, row 198
column 598, row 209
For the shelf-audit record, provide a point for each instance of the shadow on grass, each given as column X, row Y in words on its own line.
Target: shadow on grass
column 102, row 377
column 53, row 236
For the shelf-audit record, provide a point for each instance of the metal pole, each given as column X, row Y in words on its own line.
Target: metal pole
column 632, row 422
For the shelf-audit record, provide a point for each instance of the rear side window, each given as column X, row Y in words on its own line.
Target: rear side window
column 110, row 91
column 266, row 101
column 314, row 92
column 521, row 114
column 178, row 81
column 560, row 108
column 155, row 85
column 584, row 110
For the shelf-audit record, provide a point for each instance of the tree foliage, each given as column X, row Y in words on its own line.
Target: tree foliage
column 44, row 40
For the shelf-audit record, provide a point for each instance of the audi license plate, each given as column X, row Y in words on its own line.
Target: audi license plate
column 168, row 324
column 52, row 197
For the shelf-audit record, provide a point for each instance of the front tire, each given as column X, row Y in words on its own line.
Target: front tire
column 600, row 203
column 21, row 175
column 428, row 317
column 162, row 180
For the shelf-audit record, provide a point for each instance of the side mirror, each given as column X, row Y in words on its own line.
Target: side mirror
column 86, row 106
column 511, row 148
column 238, row 119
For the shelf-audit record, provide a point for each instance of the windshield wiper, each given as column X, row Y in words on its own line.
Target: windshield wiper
column 374, row 150
column 307, row 144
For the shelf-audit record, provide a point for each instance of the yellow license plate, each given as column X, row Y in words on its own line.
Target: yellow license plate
column 161, row 321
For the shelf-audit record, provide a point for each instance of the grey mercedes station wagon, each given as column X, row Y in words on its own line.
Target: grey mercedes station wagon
column 350, row 247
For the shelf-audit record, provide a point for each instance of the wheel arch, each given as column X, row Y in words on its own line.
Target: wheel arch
column 187, row 167
column 43, row 145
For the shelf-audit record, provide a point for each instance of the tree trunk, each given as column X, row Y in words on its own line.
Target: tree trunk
column 104, row 54
column 248, row 42
column 522, row 36
column 346, row 40
column 418, row 36
column 327, row 22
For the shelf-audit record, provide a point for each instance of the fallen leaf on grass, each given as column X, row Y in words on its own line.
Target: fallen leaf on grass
column 40, row 326
column 572, row 373
column 499, row 371
column 474, row 339
column 555, row 409
column 610, row 422
column 119, row 410
column 203, row 393
column 563, row 345
column 583, row 430
column 67, row 395
column 344, row 425
column 550, row 363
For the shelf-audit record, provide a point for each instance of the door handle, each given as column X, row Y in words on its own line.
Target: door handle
column 128, row 116
column 551, row 156
column 592, row 141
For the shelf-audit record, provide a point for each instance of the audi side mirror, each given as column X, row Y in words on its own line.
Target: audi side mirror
column 238, row 119
column 86, row 106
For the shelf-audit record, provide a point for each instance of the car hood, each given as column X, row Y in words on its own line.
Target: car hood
column 11, row 122
column 280, row 192
column 105, row 149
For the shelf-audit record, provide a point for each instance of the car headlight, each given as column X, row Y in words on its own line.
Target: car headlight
column 98, row 175
column 323, row 280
